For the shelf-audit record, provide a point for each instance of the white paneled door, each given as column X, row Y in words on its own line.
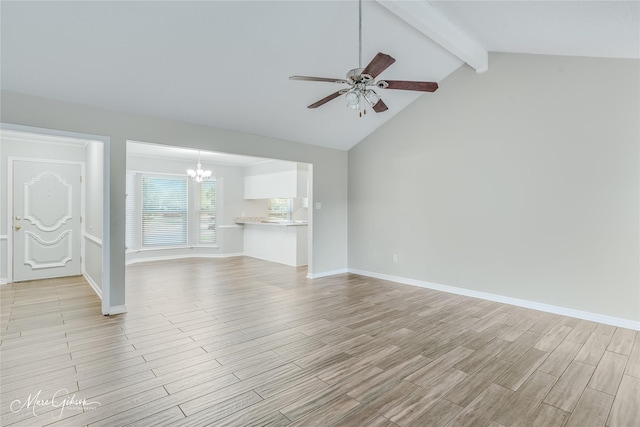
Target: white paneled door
column 46, row 219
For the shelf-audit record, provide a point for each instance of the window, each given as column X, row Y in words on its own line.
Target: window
column 164, row 211
column 206, row 212
column 280, row 209
column 169, row 211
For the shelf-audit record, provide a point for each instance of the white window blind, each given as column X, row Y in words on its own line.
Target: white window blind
column 164, row 211
column 206, row 212
column 130, row 206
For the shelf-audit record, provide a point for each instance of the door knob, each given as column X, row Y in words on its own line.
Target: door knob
column 18, row 218
column 18, row 227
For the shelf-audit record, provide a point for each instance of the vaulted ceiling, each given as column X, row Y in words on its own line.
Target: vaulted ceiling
column 226, row 63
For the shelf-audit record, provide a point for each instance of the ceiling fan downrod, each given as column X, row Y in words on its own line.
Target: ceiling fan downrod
column 360, row 80
column 360, row 34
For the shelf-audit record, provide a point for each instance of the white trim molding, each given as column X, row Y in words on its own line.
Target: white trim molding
column 4, row 280
column 93, row 238
column 172, row 257
column 117, row 309
column 564, row 311
column 92, row 283
column 327, row 273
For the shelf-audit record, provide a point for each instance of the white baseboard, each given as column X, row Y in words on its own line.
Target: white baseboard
column 93, row 284
column 170, row 257
column 326, row 273
column 4, row 281
column 564, row 311
column 118, row 309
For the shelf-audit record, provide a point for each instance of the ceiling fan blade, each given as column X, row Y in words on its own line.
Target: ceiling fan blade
column 380, row 107
column 378, row 64
column 317, row 79
column 409, row 85
column 325, row 100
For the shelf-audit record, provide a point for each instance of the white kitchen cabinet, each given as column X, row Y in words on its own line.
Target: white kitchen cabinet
column 276, row 180
column 275, row 185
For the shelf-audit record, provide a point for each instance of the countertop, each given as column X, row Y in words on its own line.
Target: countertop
column 269, row 223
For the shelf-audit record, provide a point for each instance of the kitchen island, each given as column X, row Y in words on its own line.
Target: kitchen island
column 284, row 242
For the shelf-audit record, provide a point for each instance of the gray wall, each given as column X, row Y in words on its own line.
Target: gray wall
column 330, row 168
column 521, row 182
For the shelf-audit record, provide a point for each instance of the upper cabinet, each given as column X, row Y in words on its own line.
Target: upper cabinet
column 276, row 179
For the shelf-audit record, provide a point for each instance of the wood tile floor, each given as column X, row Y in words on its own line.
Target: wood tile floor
column 244, row 342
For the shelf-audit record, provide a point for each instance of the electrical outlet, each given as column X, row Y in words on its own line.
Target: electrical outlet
column 395, row 258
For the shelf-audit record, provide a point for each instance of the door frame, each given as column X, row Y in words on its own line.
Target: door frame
column 106, row 204
column 10, row 208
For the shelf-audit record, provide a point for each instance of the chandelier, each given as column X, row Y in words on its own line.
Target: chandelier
column 199, row 175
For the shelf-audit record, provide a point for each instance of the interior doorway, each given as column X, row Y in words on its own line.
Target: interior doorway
column 244, row 188
column 52, row 221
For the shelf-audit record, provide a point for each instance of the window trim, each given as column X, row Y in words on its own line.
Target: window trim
column 192, row 212
column 197, row 212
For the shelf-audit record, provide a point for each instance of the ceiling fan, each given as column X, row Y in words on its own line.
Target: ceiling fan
column 361, row 82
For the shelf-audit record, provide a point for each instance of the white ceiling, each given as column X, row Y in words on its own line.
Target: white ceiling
column 608, row 29
column 226, row 63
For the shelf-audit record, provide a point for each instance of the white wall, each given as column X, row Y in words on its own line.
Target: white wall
column 520, row 182
column 329, row 168
column 94, row 177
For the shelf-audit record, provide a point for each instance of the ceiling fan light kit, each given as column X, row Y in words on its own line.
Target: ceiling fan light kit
column 360, row 81
column 198, row 174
